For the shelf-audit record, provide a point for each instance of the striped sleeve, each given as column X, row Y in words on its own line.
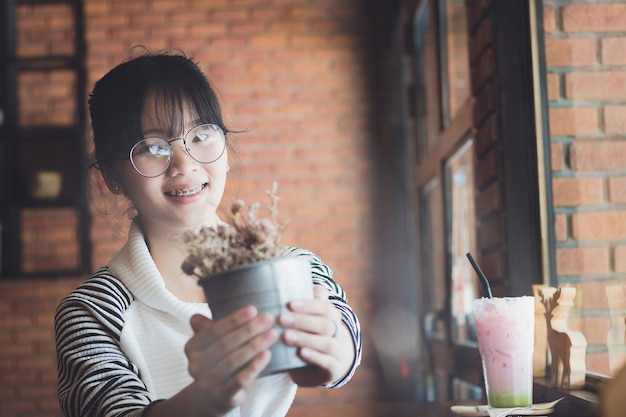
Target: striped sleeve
column 95, row 378
column 323, row 275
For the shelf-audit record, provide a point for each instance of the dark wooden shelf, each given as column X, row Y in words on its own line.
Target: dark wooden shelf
column 48, row 63
column 43, row 167
column 43, row 2
column 61, row 202
column 49, row 133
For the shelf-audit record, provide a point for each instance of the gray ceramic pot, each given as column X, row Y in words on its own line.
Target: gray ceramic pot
column 268, row 286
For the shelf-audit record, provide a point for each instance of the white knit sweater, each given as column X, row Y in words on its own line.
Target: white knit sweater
column 157, row 327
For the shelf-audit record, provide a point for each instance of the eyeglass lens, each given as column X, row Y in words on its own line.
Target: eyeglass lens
column 152, row 156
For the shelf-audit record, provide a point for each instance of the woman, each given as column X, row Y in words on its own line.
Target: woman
column 136, row 339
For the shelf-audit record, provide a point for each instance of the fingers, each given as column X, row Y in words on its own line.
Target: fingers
column 199, row 322
column 248, row 347
column 318, row 316
column 315, row 326
column 311, row 325
column 224, row 346
column 227, row 395
column 320, row 292
column 225, row 356
column 249, row 373
column 318, row 358
column 207, row 331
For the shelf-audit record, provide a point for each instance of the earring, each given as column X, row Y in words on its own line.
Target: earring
column 117, row 188
column 227, row 167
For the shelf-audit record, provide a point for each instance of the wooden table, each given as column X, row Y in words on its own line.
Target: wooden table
column 570, row 406
column 426, row 409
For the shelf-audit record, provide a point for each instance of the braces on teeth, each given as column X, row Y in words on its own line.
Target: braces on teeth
column 186, row 192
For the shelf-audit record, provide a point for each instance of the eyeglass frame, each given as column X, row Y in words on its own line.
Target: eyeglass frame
column 169, row 142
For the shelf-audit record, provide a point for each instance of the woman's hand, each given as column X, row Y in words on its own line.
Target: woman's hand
column 315, row 327
column 225, row 356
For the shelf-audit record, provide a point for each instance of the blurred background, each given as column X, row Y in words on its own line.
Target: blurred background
column 402, row 134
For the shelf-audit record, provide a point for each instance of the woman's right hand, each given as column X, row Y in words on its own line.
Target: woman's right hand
column 225, row 356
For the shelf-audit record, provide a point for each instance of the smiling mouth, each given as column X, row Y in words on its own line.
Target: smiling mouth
column 186, row 191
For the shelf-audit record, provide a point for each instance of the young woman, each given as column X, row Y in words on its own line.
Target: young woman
column 136, row 339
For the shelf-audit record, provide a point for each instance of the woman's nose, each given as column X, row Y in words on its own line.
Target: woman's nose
column 182, row 162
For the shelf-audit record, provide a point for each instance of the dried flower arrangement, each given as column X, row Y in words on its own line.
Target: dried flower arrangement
column 245, row 239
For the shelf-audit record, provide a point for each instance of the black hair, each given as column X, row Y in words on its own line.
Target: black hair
column 118, row 100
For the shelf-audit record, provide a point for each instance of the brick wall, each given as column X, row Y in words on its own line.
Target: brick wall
column 290, row 73
column 28, row 366
column 586, row 92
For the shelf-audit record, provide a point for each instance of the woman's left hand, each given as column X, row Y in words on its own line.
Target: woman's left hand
column 314, row 326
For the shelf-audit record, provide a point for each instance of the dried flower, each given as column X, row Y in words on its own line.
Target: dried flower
column 247, row 239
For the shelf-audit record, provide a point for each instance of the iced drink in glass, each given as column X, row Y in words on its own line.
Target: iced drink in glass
column 505, row 331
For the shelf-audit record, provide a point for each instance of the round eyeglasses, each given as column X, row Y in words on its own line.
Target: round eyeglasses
column 152, row 156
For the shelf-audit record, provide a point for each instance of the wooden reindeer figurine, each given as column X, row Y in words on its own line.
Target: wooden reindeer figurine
column 567, row 347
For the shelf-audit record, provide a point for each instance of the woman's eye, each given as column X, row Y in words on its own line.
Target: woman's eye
column 202, row 137
column 151, row 149
column 157, row 150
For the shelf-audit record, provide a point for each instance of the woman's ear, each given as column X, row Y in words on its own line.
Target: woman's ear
column 113, row 184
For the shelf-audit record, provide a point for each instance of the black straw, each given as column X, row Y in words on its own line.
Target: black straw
column 480, row 273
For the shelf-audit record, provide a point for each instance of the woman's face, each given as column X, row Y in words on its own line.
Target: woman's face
column 187, row 194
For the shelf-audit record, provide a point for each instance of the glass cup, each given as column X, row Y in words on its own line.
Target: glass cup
column 505, row 332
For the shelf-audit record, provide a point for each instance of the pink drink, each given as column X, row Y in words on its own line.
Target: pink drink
column 505, row 330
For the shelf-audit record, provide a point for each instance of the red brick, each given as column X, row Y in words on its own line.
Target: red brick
column 269, row 13
column 573, row 121
column 613, row 51
column 582, row 261
column 570, row 52
column 619, row 254
column 230, row 14
column 554, row 86
column 594, row 18
column 599, row 225
column 96, row 7
column 13, row 291
column 592, row 295
column 16, row 351
column 560, row 227
column 598, row 85
column 549, row 19
column 576, row 191
column 39, row 362
column 597, row 155
column 557, row 162
column 300, row 12
column 19, row 378
column 617, row 189
column 615, row 119
column 200, row 4
column 162, row 6
column 108, row 21
column 595, row 329
column 160, row 22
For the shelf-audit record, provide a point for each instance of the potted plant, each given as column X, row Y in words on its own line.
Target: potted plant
column 242, row 262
